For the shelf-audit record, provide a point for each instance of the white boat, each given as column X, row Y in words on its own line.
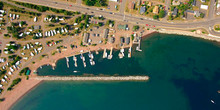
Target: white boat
column 213, row 101
column 75, row 71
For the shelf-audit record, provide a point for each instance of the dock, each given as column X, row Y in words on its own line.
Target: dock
column 92, row 62
column 138, row 48
column 121, row 53
column 83, row 60
column 96, row 78
column 75, row 60
column 67, row 62
column 110, row 55
column 105, row 53
column 129, row 52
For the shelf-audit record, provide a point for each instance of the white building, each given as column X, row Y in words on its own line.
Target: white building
column 204, row 7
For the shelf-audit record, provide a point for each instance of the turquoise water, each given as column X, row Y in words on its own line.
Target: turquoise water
column 184, row 75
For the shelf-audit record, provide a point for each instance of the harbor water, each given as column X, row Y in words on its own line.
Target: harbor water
column 184, row 75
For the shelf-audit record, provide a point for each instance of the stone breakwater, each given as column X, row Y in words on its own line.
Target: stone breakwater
column 98, row 78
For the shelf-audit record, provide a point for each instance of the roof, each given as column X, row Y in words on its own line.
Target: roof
column 194, row 3
column 122, row 39
column 176, row 2
column 122, row 26
column 156, row 10
column 190, row 11
column 197, row 13
column 28, row 72
column 131, row 5
column 105, row 33
column 37, row 27
column 205, row 7
column 175, row 11
column 142, row 9
column 86, row 38
column 127, row 40
column 111, row 39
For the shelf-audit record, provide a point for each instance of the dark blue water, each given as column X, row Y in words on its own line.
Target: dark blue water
column 184, row 75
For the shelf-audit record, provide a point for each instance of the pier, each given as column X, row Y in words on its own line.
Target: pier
column 110, row 55
column 92, row 62
column 83, row 60
column 75, row 60
column 67, row 62
column 97, row 78
column 105, row 53
column 129, row 52
column 121, row 53
column 138, row 48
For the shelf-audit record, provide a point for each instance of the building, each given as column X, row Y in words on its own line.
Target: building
column 203, row 1
column 156, row 10
column 105, row 33
column 127, row 40
column 149, row 4
column 175, row 12
column 37, row 27
column 176, row 2
column 86, row 38
column 131, row 5
column 194, row 3
column 204, row 7
column 113, row 0
column 122, row 27
column 122, row 39
column 28, row 72
column 142, row 9
column 197, row 13
column 111, row 39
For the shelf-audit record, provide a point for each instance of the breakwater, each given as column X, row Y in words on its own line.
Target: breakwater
column 98, row 78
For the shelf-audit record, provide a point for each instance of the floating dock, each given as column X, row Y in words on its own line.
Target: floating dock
column 129, row 52
column 92, row 62
column 138, row 48
column 121, row 53
column 67, row 62
column 75, row 60
column 110, row 55
column 105, row 53
column 83, row 59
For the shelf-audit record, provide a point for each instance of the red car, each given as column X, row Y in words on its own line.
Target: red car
column 70, row 5
column 147, row 25
column 154, row 26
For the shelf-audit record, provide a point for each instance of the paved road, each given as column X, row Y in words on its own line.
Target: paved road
column 122, row 7
column 132, row 19
column 211, row 9
column 167, row 5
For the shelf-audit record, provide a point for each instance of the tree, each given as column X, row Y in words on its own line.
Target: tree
column 155, row 17
column 135, row 28
column 170, row 17
column 161, row 13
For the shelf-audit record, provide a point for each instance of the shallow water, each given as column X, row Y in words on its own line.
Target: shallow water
column 184, row 75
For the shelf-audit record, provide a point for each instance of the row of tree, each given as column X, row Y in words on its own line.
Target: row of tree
column 45, row 8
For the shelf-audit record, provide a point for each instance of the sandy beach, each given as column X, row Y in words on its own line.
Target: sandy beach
column 20, row 90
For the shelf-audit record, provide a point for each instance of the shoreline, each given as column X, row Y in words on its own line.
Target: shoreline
column 24, row 87
column 190, row 34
